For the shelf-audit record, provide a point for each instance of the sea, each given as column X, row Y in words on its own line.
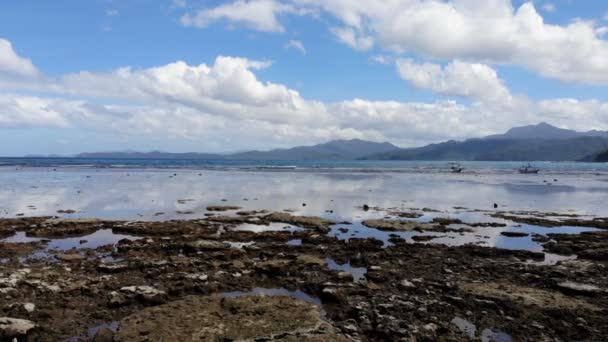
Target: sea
column 161, row 190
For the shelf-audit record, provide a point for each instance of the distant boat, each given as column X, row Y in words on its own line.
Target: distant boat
column 456, row 168
column 528, row 169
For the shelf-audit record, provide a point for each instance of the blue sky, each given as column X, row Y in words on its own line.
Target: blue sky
column 293, row 72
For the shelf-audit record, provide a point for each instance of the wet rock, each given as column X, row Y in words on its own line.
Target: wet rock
column 388, row 225
column 514, row 234
column 527, row 296
column 579, row 288
column 13, row 328
column 302, row 221
column 310, row 260
column 70, row 257
column 104, row 335
column 144, row 294
column 213, row 318
column 423, row 238
column 205, row 246
column 444, row 221
column 66, row 211
column 222, row 208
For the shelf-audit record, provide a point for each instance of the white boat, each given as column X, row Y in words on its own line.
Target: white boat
column 528, row 169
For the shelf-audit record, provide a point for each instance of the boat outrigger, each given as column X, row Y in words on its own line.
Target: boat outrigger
column 528, row 169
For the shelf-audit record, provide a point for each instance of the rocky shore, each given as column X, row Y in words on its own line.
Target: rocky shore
column 208, row 280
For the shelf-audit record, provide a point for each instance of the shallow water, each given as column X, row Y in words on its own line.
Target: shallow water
column 160, row 194
column 102, row 237
column 142, row 194
column 358, row 273
column 274, row 292
column 271, row 227
column 487, row 335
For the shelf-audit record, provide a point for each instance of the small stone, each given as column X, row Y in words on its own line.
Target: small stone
column 407, row 284
column 29, row 307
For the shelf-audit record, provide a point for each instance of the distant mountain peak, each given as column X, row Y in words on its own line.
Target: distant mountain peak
column 544, row 131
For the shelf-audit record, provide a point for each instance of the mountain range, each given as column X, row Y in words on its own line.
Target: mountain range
column 542, row 142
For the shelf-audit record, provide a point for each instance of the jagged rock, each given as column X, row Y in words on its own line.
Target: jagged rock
column 13, row 328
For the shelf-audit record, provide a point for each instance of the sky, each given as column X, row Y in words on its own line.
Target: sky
column 222, row 76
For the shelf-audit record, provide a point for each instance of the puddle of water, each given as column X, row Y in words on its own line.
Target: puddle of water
column 90, row 334
column 484, row 236
column 294, row 242
column 465, row 326
column 95, row 240
column 552, row 259
column 487, row 335
column 272, row 227
column 274, row 292
column 358, row 273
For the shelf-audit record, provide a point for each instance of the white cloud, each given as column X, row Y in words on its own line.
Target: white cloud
column 260, row 15
column 29, row 111
column 381, row 59
column 226, row 105
column 491, row 31
column 351, row 38
column 549, row 7
column 297, row 45
column 12, row 64
column 477, row 81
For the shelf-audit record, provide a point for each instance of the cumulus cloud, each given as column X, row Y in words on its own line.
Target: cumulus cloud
column 492, row 31
column 458, row 78
column 225, row 103
column 13, row 64
column 351, row 38
column 262, row 15
column 297, row 45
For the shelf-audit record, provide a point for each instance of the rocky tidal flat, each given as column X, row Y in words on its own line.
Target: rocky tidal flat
column 304, row 278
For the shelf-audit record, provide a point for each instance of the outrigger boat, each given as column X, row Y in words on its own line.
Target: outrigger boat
column 456, row 168
column 528, row 169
